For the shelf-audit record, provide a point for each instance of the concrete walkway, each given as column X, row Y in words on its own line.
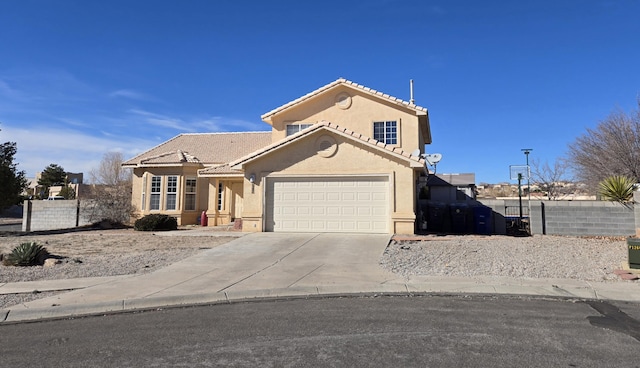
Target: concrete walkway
column 278, row 265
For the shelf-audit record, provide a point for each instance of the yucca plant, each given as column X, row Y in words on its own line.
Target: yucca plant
column 617, row 188
column 27, row 254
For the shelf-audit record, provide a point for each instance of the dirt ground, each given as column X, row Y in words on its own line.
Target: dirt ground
column 105, row 242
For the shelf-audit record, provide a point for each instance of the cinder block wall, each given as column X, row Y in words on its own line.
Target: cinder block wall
column 51, row 215
column 582, row 218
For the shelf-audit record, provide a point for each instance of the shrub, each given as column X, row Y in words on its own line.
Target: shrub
column 27, row 254
column 156, row 222
column 617, row 188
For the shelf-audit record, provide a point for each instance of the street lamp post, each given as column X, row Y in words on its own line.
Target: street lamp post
column 527, row 151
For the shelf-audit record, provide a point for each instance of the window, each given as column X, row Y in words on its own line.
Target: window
column 295, row 128
column 156, row 187
column 144, row 192
column 220, row 196
column 190, row 194
column 172, row 191
column 385, row 131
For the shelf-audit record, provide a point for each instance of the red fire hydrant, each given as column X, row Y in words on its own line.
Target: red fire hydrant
column 204, row 221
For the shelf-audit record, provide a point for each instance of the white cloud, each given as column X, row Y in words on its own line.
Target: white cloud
column 162, row 120
column 130, row 94
column 73, row 150
column 55, row 117
column 8, row 92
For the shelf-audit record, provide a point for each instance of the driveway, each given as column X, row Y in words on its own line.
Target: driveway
column 257, row 261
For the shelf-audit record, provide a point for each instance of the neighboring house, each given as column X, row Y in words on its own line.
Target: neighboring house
column 343, row 158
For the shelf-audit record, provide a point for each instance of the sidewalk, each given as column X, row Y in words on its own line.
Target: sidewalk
column 271, row 265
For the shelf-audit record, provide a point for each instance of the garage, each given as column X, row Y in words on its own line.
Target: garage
column 355, row 204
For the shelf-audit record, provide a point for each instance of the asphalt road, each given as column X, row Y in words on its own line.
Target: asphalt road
column 422, row 331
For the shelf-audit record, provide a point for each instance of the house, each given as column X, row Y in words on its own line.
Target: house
column 343, row 158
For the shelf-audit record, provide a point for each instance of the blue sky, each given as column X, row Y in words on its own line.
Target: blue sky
column 81, row 78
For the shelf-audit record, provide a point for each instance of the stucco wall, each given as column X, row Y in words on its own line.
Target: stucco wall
column 183, row 217
column 301, row 158
column 359, row 117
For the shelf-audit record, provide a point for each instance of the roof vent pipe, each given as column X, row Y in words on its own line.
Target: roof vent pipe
column 411, row 100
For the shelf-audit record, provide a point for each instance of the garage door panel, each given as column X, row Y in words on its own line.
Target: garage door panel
column 346, row 204
column 379, row 211
column 364, row 211
column 348, row 196
column 333, row 211
column 333, row 196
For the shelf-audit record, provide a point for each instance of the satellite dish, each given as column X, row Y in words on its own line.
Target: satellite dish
column 416, row 152
column 432, row 158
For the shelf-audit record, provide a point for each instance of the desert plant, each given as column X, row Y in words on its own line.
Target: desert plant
column 27, row 254
column 156, row 222
column 617, row 188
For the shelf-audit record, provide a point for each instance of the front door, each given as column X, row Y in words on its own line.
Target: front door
column 236, row 204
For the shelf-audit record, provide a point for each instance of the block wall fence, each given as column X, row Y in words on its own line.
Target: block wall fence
column 575, row 218
column 572, row 218
column 54, row 215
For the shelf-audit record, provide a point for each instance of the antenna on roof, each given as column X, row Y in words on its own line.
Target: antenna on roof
column 411, row 100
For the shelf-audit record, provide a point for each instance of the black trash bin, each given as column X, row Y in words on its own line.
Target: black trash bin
column 482, row 220
column 459, row 217
column 435, row 220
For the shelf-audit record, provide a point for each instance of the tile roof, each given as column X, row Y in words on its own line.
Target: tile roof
column 415, row 161
column 222, row 170
column 348, row 83
column 202, row 148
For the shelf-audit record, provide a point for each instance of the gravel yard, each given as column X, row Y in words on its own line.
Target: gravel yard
column 97, row 253
column 122, row 252
column 100, row 253
column 539, row 256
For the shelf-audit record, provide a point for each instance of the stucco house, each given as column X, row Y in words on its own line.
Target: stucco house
column 339, row 159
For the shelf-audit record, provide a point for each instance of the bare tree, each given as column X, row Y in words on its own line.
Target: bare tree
column 110, row 171
column 612, row 148
column 551, row 179
column 111, row 190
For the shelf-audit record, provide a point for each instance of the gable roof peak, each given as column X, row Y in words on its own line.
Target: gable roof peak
column 351, row 84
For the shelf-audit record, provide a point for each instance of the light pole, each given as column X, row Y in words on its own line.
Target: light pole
column 527, row 151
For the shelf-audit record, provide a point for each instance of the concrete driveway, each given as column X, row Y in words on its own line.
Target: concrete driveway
column 258, row 261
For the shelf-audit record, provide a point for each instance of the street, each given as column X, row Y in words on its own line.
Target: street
column 434, row 331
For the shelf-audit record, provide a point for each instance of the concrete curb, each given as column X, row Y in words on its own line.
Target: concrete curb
column 576, row 291
column 57, row 285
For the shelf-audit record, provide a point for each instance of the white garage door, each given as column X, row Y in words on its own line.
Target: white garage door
column 344, row 204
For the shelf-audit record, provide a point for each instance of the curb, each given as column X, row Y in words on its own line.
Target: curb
column 578, row 292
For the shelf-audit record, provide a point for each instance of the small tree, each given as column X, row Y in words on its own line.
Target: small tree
column 52, row 175
column 110, row 171
column 111, row 191
column 612, row 148
column 67, row 192
column 550, row 178
column 12, row 181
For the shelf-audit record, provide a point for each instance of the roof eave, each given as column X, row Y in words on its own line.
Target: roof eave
column 173, row 164
column 333, row 128
column 221, row 175
column 425, row 127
